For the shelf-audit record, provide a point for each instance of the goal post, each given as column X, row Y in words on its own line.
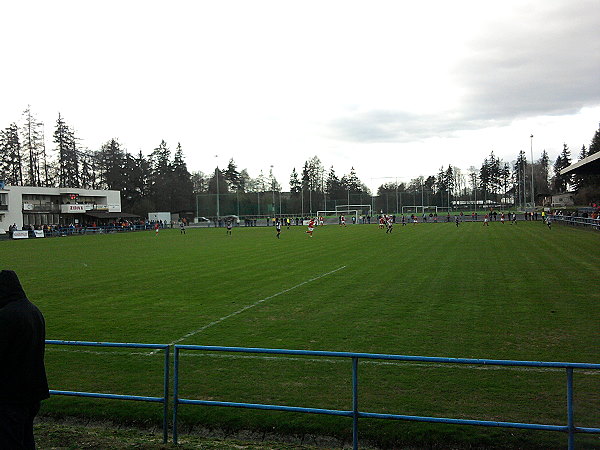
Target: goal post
column 419, row 209
column 339, row 212
column 363, row 210
column 413, row 209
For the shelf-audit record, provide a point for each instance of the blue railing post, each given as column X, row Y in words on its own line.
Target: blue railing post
column 164, row 399
column 166, row 396
column 175, row 391
column 355, row 403
column 355, row 414
column 570, row 423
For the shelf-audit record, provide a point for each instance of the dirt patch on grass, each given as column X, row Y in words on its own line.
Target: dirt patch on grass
column 79, row 433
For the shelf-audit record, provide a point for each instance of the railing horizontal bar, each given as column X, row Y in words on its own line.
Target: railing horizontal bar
column 483, row 423
column 331, row 412
column 111, row 396
column 586, row 430
column 107, row 344
column 432, row 359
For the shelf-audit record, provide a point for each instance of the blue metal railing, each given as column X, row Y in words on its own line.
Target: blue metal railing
column 164, row 399
column 578, row 221
column 355, row 414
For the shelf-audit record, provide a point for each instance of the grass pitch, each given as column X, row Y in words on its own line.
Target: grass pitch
column 505, row 292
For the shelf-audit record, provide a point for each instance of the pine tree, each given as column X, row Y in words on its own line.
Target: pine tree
column 520, row 169
column 450, row 183
column 592, row 182
column 199, row 182
column 245, row 181
column 160, row 179
column 441, row 186
column 334, row 186
column 305, row 177
column 111, row 162
column 562, row 182
column 32, row 138
column 595, row 144
column 544, row 184
column 181, row 186
column 232, row 176
column 351, row 182
column 46, row 165
column 139, row 173
column 88, row 163
column 273, row 183
column 11, row 170
column 505, row 179
column 68, row 158
column 485, row 179
column 579, row 181
column 495, row 180
column 295, row 185
column 429, row 187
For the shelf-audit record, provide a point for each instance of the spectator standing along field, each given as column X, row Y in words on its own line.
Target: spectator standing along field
column 23, row 382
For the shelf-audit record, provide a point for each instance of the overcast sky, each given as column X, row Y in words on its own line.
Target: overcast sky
column 393, row 88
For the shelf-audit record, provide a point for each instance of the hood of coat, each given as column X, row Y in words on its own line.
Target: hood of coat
column 10, row 288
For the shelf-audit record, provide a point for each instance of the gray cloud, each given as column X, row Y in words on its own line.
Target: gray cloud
column 541, row 63
column 395, row 126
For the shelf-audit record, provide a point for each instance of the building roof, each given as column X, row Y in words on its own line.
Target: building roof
column 590, row 165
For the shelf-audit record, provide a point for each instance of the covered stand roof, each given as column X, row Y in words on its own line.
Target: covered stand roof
column 590, row 165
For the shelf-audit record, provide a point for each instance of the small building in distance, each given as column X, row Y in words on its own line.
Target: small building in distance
column 562, row 200
column 29, row 206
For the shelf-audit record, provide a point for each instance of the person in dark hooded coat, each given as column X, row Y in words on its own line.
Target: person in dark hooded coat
column 23, row 382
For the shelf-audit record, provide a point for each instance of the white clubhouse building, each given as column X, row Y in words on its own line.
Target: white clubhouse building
column 36, row 206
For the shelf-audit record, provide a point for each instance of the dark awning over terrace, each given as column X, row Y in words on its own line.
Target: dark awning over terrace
column 111, row 215
column 590, row 165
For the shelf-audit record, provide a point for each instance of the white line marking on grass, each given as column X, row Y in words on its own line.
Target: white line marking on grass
column 340, row 360
column 95, row 352
column 229, row 316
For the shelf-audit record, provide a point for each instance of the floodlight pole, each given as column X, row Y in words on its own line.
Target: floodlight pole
column 217, row 175
column 273, row 188
column 324, row 195
column 532, row 188
column 524, row 178
column 218, row 204
column 475, row 190
column 372, row 200
column 396, row 195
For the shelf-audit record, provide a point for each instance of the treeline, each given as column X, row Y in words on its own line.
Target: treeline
column 161, row 180
column 498, row 181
